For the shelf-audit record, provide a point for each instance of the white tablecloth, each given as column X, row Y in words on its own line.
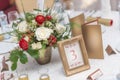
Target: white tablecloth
column 110, row 65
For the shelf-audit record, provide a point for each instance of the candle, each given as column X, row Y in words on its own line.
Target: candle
column 44, row 77
column 23, row 77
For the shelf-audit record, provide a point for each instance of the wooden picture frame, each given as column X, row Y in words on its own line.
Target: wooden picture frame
column 77, row 60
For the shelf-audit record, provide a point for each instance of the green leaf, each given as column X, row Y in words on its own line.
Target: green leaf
column 37, row 10
column 23, row 58
column 29, row 17
column 72, row 24
column 14, row 55
column 33, row 53
column 46, row 10
column 14, row 66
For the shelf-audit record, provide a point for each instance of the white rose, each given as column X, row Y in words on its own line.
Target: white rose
column 43, row 33
column 22, row 26
column 37, row 45
column 60, row 28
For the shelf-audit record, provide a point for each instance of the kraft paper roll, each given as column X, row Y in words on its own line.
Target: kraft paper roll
column 106, row 22
column 1, row 37
column 89, row 19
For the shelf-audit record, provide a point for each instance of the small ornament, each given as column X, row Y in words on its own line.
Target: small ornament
column 109, row 50
column 95, row 75
column 4, row 65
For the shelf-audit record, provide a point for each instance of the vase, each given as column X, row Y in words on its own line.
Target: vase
column 44, row 56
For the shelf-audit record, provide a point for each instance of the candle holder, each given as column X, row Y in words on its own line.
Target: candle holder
column 44, row 77
column 23, row 77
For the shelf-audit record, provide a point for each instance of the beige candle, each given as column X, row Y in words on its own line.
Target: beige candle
column 23, row 77
column 44, row 77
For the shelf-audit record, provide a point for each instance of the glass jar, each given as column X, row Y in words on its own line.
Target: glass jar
column 68, row 6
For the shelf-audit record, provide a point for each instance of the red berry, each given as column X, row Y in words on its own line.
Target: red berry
column 23, row 44
column 52, row 40
column 39, row 19
column 48, row 17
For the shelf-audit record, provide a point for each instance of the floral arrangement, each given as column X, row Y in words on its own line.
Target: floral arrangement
column 36, row 32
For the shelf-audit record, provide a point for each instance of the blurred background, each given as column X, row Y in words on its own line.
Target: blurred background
column 10, row 5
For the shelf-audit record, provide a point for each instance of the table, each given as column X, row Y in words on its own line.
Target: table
column 110, row 65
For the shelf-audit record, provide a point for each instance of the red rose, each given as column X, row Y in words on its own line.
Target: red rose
column 52, row 40
column 39, row 19
column 48, row 17
column 23, row 44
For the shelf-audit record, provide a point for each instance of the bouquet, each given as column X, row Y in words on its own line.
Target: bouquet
column 36, row 32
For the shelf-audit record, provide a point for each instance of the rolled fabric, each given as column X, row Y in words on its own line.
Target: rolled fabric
column 104, row 21
column 1, row 37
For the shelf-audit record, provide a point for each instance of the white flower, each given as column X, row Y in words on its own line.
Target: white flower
column 33, row 21
column 26, row 38
column 22, row 26
column 60, row 28
column 14, row 39
column 43, row 33
column 37, row 45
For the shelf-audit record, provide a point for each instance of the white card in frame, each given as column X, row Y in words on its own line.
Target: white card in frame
column 74, row 55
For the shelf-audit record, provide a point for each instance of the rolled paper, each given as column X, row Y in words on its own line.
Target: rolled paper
column 104, row 21
column 1, row 37
column 89, row 19
column 44, row 77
